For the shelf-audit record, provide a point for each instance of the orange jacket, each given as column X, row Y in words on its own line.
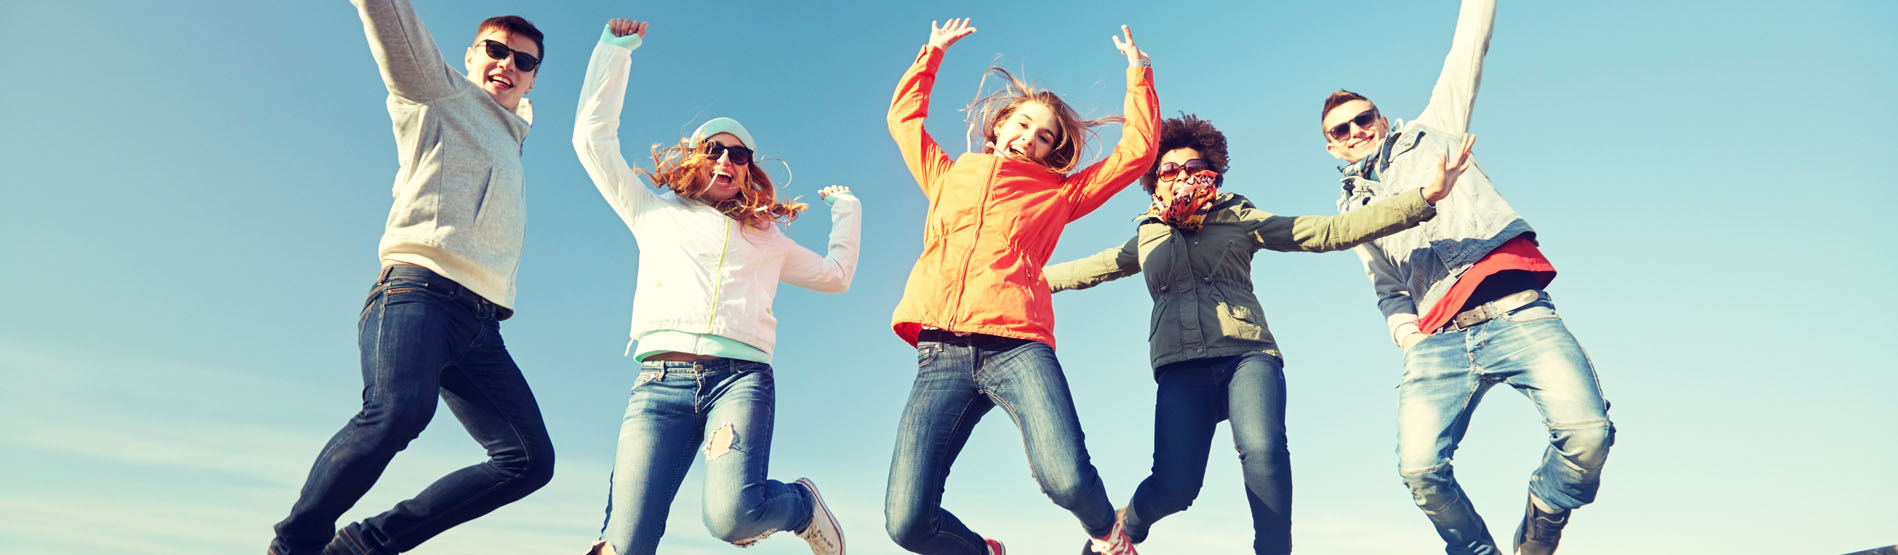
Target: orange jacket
column 993, row 221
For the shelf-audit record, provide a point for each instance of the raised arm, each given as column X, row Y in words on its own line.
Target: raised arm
column 1139, row 136
column 412, row 66
column 596, row 121
column 910, row 106
column 832, row 272
column 1454, row 97
column 1098, row 268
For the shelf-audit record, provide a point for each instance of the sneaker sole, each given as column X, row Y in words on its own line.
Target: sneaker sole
column 819, row 498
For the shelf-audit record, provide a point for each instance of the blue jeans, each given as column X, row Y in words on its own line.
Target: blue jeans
column 422, row 335
column 958, row 379
column 1247, row 390
column 727, row 405
column 1445, row 376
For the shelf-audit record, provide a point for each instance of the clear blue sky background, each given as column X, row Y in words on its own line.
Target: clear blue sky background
column 194, row 192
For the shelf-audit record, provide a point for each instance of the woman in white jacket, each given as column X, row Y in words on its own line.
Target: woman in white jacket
column 711, row 258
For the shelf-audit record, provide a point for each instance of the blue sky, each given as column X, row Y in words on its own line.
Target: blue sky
column 195, row 192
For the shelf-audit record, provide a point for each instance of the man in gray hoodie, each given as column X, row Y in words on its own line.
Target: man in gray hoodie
column 431, row 323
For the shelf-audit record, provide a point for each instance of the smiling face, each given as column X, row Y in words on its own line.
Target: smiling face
column 723, row 177
column 1178, row 157
column 500, row 78
column 1358, row 138
column 1028, row 133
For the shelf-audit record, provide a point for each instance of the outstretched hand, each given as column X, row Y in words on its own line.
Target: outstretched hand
column 946, row 35
column 624, row 33
column 1134, row 56
column 1448, row 170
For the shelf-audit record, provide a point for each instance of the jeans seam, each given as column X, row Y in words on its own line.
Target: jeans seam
column 513, row 426
column 943, row 465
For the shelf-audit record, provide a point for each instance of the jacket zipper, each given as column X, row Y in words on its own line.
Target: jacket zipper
column 718, row 280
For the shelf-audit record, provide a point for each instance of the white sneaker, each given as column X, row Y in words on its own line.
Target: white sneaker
column 825, row 537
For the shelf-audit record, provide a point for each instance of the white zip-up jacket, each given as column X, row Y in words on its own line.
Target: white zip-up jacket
column 699, row 270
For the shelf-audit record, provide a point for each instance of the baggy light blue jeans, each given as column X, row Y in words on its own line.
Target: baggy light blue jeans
column 958, row 379
column 1446, row 375
column 722, row 409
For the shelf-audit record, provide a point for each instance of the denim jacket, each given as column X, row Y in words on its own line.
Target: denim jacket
column 1411, row 271
column 1201, row 281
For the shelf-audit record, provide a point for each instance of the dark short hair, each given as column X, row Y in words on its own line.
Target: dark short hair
column 1188, row 131
column 520, row 26
column 1337, row 97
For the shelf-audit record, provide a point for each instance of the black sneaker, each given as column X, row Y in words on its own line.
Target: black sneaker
column 1539, row 531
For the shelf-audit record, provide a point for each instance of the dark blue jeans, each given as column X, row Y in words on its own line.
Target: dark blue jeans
column 958, row 379
column 422, row 335
column 1193, row 397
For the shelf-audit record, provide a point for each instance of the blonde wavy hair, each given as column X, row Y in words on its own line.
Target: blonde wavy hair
column 679, row 167
column 986, row 110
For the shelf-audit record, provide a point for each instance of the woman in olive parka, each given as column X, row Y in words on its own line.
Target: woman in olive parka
column 1212, row 355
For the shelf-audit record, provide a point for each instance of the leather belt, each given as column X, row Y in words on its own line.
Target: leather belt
column 1490, row 310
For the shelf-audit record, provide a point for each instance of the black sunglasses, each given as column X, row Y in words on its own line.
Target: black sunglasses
column 1170, row 171
column 522, row 60
column 1363, row 121
column 739, row 154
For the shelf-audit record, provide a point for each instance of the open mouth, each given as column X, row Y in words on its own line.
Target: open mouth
column 719, row 177
column 501, row 82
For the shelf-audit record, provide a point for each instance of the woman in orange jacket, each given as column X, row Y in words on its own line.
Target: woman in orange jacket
column 977, row 307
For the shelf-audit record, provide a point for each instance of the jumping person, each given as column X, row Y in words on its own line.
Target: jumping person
column 1212, row 355
column 1463, row 295
column 976, row 307
column 431, row 324
column 711, row 258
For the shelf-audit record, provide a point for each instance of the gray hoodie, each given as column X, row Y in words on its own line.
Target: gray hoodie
column 460, row 202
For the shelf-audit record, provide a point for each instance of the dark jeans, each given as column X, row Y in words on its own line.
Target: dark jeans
column 422, row 335
column 1247, row 390
column 958, row 379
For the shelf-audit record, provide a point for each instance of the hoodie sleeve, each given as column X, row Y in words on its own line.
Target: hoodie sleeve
column 1132, row 156
column 832, row 272
column 596, row 132
column 412, row 66
column 1453, row 99
column 908, row 108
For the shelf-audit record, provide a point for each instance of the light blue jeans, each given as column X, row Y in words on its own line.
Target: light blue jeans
column 724, row 405
column 1445, row 376
column 958, row 379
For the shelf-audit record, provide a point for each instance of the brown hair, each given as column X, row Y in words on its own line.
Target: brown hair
column 756, row 203
column 1188, row 131
column 520, row 26
column 1337, row 97
column 986, row 111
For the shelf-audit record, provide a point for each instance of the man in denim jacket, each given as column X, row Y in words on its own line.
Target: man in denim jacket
column 1463, row 296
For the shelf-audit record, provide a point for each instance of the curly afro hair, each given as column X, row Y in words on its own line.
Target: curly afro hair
column 1188, row 131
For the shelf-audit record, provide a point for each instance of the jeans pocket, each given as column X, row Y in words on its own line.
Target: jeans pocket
column 646, row 377
column 1538, row 310
column 926, row 352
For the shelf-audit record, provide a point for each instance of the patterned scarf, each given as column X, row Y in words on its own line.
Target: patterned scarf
column 1192, row 198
